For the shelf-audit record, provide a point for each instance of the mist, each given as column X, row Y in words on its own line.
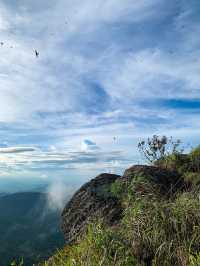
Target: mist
column 58, row 193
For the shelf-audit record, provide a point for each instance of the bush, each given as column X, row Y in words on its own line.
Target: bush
column 157, row 148
column 183, row 163
column 192, row 179
column 118, row 189
column 177, row 161
column 195, row 159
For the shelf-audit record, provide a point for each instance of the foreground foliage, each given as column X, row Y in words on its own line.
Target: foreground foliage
column 28, row 229
column 101, row 246
column 156, row 229
column 164, row 232
column 152, row 232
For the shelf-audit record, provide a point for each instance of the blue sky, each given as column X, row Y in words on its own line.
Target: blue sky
column 109, row 73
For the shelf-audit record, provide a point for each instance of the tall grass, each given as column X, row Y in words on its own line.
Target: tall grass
column 155, row 230
column 164, row 232
column 100, row 247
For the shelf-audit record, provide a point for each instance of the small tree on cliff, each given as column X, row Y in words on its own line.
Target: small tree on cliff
column 158, row 148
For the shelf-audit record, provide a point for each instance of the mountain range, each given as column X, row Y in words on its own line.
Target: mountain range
column 29, row 227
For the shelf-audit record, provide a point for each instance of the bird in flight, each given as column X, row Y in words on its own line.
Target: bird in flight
column 36, row 53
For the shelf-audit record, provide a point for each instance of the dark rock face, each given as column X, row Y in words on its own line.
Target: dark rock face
column 167, row 180
column 95, row 200
column 92, row 200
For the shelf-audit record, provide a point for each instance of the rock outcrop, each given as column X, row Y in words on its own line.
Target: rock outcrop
column 95, row 200
column 168, row 181
column 92, row 200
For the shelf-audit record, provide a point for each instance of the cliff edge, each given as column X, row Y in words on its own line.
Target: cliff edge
column 95, row 199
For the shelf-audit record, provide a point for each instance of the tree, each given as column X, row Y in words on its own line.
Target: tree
column 158, row 148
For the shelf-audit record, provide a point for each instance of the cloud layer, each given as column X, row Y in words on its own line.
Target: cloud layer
column 16, row 149
column 107, row 73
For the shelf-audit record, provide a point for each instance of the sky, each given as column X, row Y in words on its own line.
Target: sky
column 109, row 73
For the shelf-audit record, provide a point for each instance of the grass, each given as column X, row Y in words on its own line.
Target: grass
column 101, row 246
column 155, row 230
column 164, row 232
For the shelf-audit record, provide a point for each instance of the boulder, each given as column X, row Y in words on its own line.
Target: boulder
column 93, row 200
column 166, row 180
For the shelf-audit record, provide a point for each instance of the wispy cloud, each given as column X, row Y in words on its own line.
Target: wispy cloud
column 36, row 159
column 58, row 194
column 106, row 70
column 17, row 149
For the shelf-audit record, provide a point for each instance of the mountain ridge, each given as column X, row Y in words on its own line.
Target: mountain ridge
column 28, row 228
column 156, row 217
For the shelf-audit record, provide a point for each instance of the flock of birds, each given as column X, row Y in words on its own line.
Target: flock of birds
column 35, row 51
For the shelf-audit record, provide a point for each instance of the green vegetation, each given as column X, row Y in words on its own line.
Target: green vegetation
column 169, row 154
column 164, row 232
column 28, row 229
column 188, row 165
column 158, row 148
column 155, row 229
column 100, row 246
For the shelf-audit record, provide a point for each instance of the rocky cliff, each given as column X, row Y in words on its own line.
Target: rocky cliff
column 95, row 199
column 92, row 200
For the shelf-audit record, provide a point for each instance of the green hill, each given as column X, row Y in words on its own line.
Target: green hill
column 28, row 228
column 159, row 221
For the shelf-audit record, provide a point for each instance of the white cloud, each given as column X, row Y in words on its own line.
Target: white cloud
column 4, row 20
column 30, row 85
column 17, row 149
column 154, row 74
column 115, row 45
column 36, row 159
column 58, row 194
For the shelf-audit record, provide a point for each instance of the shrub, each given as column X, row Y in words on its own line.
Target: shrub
column 195, row 159
column 177, row 161
column 192, row 179
column 118, row 189
column 157, row 148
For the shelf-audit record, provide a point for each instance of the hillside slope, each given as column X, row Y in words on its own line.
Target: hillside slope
column 157, row 221
column 28, row 228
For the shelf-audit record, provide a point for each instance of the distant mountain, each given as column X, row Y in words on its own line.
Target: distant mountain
column 28, row 228
column 15, row 185
column 2, row 194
